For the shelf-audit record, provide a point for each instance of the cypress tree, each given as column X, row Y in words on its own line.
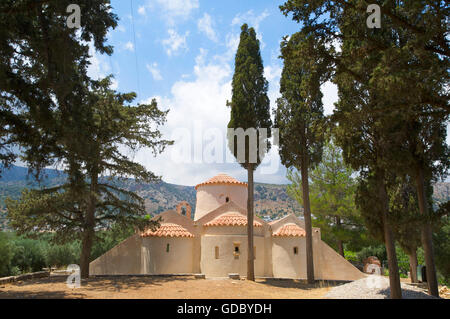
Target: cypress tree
column 250, row 109
column 299, row 118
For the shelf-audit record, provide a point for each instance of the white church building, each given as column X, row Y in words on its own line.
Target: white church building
column 214, row 242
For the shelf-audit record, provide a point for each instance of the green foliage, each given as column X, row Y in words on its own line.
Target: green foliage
column 441, row 241
column 299, row 113
column 43, row 73
column 6, row 254
column 63, row 255
column 332, row 192
column 22, row 255
column 351, row 256
column 377, row 251
column 28, row 254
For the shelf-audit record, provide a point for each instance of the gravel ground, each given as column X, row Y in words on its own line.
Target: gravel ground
column 374, row 287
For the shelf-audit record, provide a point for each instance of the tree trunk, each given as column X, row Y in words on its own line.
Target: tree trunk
column 340, row 243
column 394, row 276
column 308, row 225
column 427, row 240
column 250, row 255
column 413, row 265
column 86, row 247
column 88, row 232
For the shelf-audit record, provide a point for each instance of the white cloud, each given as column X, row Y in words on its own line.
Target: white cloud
column 100, row 67
column 178, row 8
column 121, row 28
column 198, row 105
column 330, row 96
column 205, row 25
column 253, row 21
column 142, row 11
column 172, row 11
column 175, row 42
column 129, row 46
column 153, row 69
column 250, row 18
column 272, row 72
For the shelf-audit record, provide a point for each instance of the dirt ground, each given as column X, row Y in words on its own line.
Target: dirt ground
column 165, row 288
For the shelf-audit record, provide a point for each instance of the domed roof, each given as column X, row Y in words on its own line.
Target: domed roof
column 168, row 230
column 221, row 179
column 231, row 219
column 290, row 230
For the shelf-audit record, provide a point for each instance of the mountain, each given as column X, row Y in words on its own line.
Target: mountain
column 271, row 201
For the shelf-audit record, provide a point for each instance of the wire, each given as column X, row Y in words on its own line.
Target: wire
column 135, row 48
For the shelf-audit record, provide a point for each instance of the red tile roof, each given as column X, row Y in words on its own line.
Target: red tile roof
column 222, row 179
column 290, row 230
column 168, row 230
column 231, row 219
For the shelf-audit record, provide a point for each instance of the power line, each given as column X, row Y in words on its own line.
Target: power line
column 135, row 48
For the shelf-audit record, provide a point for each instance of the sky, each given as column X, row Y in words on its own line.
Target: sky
column 181, row 53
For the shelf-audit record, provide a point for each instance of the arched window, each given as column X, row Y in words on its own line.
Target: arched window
column 216, row 252
column 295, row 250
column 227, row 199
column 167, row 248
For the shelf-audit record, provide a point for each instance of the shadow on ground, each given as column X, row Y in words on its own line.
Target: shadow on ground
column 294, row 283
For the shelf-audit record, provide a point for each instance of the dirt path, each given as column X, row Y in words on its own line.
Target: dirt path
column 164, row 287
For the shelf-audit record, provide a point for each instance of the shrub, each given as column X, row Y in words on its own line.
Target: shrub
column 63, row 255
column 28, row 254
column 377, row 251
column 6, row 254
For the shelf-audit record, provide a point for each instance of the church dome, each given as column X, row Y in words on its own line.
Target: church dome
column 221, row 179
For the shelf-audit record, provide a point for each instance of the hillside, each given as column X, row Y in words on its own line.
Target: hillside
column 271, row 201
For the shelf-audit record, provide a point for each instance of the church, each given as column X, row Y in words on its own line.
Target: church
column 214, row 242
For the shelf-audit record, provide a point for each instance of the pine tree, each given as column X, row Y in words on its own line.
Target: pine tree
column 43, row 67
column 332, row 199
column 299, row 118
column 250, row 109
column 94, row 195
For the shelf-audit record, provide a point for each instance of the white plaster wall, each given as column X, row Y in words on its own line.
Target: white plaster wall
column 333, row 266
column 209, row 197
column 179, row 259
column 123, row 259
column 285, row 263
column 227, row 263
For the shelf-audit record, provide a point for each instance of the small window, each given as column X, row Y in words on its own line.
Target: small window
column 227, row 199
column 295, row 250
column 183, row 210
column 167, row 248
column 236, row 251
column 217, row 252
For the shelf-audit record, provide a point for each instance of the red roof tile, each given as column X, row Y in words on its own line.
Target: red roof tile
column 222, row 179
column 231, row 219
column 168, row 230
column 290, row 230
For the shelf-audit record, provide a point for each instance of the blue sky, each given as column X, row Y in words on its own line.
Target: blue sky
column 181, row 52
